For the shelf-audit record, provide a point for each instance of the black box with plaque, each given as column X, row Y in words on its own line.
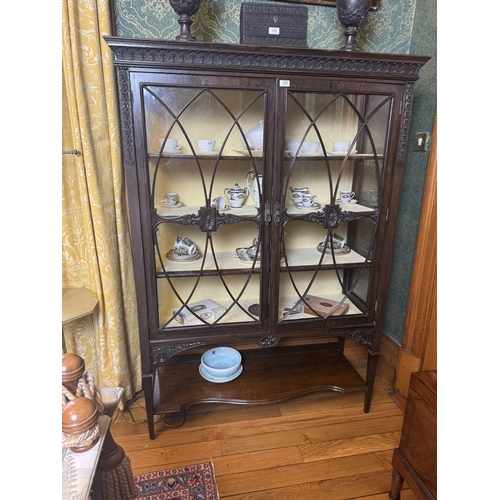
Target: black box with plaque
column 265, row 24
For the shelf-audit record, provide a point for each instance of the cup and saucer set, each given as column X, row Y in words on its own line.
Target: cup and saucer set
column 337, row 242
column 303, row 199
column 347, row 196
column 184, row 250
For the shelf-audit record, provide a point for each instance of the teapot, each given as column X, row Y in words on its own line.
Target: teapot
column 253, row 183
column 255, row 137
column 236, row 195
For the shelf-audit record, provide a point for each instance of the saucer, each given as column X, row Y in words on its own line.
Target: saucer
column 291, row 153
column 164, row 204
column 246, row 152
column 211, row 153
column 182, row 258
column 336, row 251
column 171, row 151
column 300, row 206
column 219, row 380
column 341, row 153
column 352, row 202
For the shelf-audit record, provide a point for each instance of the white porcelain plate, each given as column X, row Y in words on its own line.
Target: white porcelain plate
column 219, row 380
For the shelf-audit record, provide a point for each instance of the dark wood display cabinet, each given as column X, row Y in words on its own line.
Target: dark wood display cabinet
column 241, row 257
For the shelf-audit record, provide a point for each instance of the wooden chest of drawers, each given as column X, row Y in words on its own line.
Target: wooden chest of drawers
column 415, row 461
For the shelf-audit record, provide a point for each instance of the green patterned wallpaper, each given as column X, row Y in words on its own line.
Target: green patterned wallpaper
column 399, row 26
column 386, row 30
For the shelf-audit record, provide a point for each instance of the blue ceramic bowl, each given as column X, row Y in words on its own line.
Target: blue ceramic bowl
column 221, row 361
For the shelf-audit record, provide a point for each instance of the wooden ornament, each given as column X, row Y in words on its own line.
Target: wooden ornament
column 79, row 422
column 73, row 367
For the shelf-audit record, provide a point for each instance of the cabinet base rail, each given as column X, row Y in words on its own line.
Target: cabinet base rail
column 269, row 376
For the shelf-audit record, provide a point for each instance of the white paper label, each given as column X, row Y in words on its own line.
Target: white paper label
column 284, row 83
column 274, row 31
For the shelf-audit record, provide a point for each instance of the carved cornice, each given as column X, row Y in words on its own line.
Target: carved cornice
column 163, row 53
column 162, row 354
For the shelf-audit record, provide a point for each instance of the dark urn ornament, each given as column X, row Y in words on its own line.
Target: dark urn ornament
column 351, row 14
column 185, row 9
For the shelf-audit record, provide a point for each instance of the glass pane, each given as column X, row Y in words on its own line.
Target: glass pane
column 334, row 163
column 206, row 276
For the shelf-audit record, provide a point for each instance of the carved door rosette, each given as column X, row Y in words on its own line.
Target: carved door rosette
column 268, row 341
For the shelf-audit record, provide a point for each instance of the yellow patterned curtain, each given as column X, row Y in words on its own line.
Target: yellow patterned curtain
column 95, row 238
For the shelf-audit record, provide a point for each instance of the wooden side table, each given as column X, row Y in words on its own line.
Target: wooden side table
column 415, row 461
column 76, row 303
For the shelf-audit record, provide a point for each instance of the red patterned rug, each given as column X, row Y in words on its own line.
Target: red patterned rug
column 191, row 482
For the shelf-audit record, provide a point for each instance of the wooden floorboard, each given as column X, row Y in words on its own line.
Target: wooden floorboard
column 322, row 445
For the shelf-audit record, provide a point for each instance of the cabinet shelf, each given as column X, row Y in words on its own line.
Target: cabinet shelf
column 259, row 156
column 236, row 316
column 297, row 258
column 250, row 211
column 269, row 375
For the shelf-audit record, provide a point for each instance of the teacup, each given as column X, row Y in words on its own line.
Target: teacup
column 172, row 198
column 337, row 241
column 219, row 202
column 341, row 146
column 170, row 144
column 308, row 199
column 205, row 145
column 296, row 194
column 346, row 196
column 293, row 145
column 184, row 246
column 309, row 147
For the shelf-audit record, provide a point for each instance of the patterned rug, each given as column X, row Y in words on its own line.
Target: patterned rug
column 191, row 482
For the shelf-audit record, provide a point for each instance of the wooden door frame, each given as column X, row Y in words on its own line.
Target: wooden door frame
column 419, row 345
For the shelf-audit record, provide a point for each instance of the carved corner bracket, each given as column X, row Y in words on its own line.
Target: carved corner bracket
column 363, row 336
column 161, row 354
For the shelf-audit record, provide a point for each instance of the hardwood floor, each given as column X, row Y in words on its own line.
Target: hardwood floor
column 319, row 446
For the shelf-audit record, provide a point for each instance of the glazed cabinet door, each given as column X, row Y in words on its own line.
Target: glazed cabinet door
column 335, row 162
column 202, row 181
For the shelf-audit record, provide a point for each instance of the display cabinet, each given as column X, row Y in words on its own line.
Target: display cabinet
column 251, row 227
